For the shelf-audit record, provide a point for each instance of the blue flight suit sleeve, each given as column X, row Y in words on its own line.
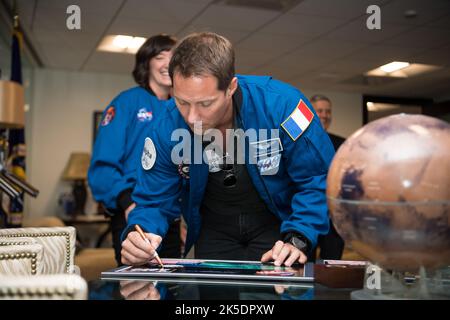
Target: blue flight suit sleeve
column 306, row 160
column 106, row 176
column 157, row 192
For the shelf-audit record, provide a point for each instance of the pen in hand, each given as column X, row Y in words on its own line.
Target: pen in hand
column 139, row 230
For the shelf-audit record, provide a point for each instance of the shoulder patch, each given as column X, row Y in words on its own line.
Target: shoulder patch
column 109, row 116
column 298, row 121
column 148, row 155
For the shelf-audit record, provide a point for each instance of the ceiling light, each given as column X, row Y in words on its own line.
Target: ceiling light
column 277, row 5
column 391, row 70
column 136, row 43
column 394, row 66
column 121, row 43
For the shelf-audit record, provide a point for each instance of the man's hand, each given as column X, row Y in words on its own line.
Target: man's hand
column 128, row 210
column 136, row 252
column 139, row 290
column 284, row 252
column 279, row 289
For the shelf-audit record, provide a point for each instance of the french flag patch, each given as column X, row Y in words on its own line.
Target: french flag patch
column 298, row 121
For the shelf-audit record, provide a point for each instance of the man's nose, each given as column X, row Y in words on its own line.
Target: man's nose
column 192, row 115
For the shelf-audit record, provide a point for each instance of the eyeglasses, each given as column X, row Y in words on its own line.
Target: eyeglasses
column 229, row 179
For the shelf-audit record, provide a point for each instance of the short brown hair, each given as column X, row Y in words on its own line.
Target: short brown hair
column 319, row 97
column 204, row 53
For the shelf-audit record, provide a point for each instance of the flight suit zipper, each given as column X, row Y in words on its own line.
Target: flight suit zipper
column 259, row 175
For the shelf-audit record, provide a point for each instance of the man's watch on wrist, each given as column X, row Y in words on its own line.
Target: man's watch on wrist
column 298, row 241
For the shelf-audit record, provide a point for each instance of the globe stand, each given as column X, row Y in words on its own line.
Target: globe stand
column 382, row 285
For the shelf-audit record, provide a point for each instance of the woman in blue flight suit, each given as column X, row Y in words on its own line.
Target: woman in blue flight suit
column 119, row 143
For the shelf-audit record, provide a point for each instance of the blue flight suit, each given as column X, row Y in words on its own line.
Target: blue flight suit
column 295, row 194
column 118, row 146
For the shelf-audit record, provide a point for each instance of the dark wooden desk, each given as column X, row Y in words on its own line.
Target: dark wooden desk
column 90, row 220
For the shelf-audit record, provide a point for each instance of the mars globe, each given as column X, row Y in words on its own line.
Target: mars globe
column 388, row 191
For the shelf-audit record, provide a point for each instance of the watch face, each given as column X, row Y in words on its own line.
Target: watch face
column 298, row 243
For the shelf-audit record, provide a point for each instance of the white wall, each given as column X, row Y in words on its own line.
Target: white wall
column 61, row 112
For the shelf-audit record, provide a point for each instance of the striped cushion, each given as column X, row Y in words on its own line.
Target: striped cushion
column 58, row 244
column 47, row 287
column 23, row 259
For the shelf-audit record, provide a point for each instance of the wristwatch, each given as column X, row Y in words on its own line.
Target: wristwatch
column 298, row 241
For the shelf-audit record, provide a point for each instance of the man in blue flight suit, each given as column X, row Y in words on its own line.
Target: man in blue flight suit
column 119, row 143
column 271, row 205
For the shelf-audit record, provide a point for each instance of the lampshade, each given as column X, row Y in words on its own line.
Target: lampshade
column 12, row 101
column 77, row 166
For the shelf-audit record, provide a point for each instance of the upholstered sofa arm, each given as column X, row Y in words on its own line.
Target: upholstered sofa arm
column 23, row 259
column 58, row 245
column 16, row 241
column 47, row 287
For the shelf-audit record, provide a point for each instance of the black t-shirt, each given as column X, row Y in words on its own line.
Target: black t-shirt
column 220, row 200
column 241, row 198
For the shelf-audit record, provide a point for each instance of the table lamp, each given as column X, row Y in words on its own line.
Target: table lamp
column 76, row 171
column 12, row 116
column 12, row 102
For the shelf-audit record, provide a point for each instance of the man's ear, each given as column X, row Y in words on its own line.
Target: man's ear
column 232, row 87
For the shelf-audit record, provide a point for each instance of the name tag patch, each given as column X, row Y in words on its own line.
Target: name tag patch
column 267, row 154
column 270, row 165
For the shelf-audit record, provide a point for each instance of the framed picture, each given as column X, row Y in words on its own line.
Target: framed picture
column 97, row 119
column 216, row 269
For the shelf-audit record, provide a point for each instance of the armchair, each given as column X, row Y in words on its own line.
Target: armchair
column 46, row 287
column 20, row 256
column 58, row 246
column 89, row 261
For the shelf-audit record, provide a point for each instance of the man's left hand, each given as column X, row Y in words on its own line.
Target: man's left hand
column 284, row 253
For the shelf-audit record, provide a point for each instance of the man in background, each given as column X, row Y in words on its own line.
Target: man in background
column 331, row 245
column 322, row 105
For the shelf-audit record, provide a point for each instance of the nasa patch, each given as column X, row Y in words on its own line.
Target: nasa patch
column 143, row 115
column 148, row 155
